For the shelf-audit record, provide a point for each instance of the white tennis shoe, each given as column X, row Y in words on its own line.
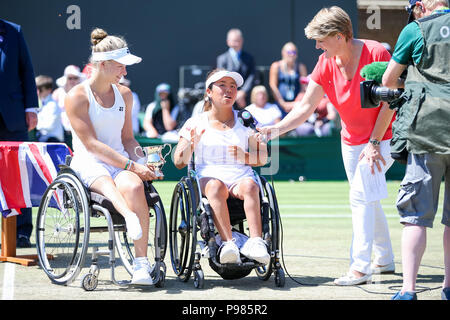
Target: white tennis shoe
column 351, row 280
column 255, row 248
column 229, row 252
column 141, row 272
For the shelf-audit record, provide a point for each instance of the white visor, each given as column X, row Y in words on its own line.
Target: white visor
column 222, row 74
column 121, row 55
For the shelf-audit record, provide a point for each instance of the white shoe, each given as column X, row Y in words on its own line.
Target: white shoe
column 389, row 268
column 350, row 279
column 134, row 229
column 256, row 249
column 229, row 252
column 141, row 272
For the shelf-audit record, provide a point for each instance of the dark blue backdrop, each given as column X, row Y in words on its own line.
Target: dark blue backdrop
column 166, row 33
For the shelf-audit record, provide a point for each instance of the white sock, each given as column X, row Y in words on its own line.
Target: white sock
column 134, row 229
column 140, row 260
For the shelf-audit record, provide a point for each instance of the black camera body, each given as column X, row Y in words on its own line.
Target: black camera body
column 372, row 94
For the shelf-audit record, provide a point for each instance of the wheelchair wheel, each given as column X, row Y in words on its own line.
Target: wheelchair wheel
column 199, row 279
column 271, row 233
column 62, row 229
column 125, row 246
column 280, row 278
column 89, row 282
column 183, row 228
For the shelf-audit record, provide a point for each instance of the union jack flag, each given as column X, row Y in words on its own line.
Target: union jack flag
column 26, row 170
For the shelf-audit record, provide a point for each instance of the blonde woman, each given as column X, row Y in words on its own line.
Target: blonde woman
column 225, row 150
column 365, row 134
column 265, row 113
column 99, row 111
column 284, row 78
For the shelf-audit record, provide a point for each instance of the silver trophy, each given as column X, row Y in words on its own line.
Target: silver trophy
column 153, row 157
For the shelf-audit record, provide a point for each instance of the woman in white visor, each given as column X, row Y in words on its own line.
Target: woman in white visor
column 224, row 151
column 99, row 111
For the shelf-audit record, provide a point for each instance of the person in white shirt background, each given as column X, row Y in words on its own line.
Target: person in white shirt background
column 265, row 113
column 71, row 77
column 49, row 127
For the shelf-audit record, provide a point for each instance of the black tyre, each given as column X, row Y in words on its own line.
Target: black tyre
column 199, row 279
column 62, row 229
column 183, row 228
column 271, row 234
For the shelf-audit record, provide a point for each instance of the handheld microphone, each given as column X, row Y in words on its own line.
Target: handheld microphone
column 246, row 119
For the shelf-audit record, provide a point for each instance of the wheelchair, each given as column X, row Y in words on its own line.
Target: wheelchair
column 64, row 226
column 190, row 214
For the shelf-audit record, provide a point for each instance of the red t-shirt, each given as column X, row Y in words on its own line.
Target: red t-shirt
column 357, row 123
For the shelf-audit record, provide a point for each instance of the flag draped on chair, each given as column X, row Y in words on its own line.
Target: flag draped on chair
column 26, row 170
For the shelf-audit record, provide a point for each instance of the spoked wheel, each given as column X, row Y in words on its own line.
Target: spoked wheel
column 183, row 228
column 271, row 232
column 62, row 229
column 89, row 282
column 157, row 238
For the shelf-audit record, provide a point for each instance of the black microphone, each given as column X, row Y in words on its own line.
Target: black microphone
column 246, row 119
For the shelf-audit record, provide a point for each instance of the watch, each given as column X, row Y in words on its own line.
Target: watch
column 375, row 142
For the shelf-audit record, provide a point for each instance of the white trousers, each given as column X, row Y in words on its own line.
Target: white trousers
column 370, row 228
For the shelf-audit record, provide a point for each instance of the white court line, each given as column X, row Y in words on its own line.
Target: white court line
column 8, row 281
column 321, row 206
column 325, row 215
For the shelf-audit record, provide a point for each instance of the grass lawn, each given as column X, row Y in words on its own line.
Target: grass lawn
column 317, row 232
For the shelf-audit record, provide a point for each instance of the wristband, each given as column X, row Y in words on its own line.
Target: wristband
column 375, row 142
column 127, row 164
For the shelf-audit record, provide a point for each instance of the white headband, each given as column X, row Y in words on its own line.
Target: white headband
column 121, row 55
column 221, row 74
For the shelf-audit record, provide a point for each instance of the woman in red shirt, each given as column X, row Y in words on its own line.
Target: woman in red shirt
column 365, row 133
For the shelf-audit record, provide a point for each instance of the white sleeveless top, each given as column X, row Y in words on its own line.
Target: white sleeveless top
column 107, row 123
column 211, row 155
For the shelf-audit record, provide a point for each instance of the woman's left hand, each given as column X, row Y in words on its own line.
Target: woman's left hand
column 373, row 156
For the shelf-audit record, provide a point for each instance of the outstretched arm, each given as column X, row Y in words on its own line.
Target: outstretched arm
column 300, row 113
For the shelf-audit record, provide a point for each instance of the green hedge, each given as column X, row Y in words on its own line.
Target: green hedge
column 311, row 158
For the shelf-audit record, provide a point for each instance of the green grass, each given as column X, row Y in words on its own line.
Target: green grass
column 307, row 197
column 317, row 234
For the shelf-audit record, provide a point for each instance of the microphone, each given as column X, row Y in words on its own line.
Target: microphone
column 246, row 119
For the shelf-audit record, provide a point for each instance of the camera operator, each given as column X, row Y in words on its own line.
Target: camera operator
column 160, row 120
column 423, row 47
